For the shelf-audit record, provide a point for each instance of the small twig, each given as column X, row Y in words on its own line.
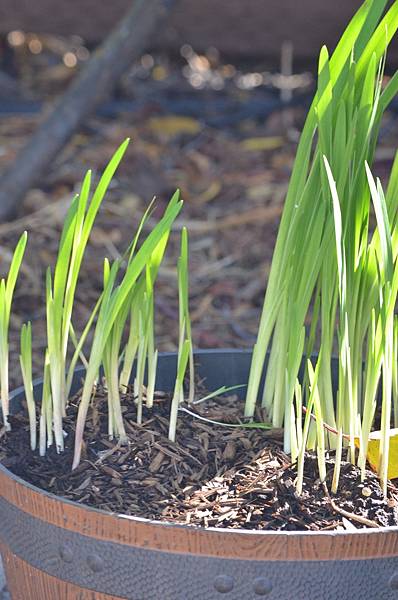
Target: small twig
column 107, row 453
column 347, row 514
column 327, row 427
column 250, row 425
column 167, row 452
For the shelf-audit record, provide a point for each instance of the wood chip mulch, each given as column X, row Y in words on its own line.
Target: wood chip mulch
column 213, row 476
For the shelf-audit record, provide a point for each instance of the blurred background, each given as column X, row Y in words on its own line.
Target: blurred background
column 213, row 101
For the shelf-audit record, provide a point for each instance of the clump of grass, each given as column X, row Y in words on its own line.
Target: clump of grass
column 60, row 289
column 128, row 295
column 113, row 304
column 326, row 259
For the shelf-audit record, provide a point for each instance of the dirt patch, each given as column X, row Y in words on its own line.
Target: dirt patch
column 214, row 475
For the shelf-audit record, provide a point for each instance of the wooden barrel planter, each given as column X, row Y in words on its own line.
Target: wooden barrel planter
column 55, row 549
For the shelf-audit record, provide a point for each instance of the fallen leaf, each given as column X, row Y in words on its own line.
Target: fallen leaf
column 170, row 126
column 373, row 452
column 262, row 143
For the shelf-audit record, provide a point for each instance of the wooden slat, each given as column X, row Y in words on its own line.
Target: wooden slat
column 27, row 583
column 229, row 544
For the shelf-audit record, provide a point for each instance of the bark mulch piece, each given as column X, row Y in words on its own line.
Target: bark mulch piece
column 214, row 476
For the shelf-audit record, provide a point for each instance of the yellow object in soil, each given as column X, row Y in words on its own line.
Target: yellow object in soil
column 373, row 452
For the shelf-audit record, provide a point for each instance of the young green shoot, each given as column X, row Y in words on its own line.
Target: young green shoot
column 178, row 395
column 46, row 417
column 110, row 362
column 25, row 359
column 184, row 316
column 131, row 348
column 60, row 290
column 141, row 340
column 185, row 355
column 7, row 287
column 113, row 300
column 307, row 422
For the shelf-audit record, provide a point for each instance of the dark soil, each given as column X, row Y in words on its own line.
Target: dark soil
column 215, row 476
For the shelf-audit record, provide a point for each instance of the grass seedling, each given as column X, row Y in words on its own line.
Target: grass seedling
column 60, row 293
column 7, row 287
column 184, row 316
column 146, row 354
column 151, row 274
column 113, row 300
column 185, row 349
column 46, row 415
column 110, row 361
column 136, row 300
column 152, row 353
column 178, row 395
column 141, row 359
column 25, row 359
column 307, row 422
column 141, row 340
column 131, row 348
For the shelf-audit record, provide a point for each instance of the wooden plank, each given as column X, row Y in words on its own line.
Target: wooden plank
column 268, row 546
column 27, row 583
